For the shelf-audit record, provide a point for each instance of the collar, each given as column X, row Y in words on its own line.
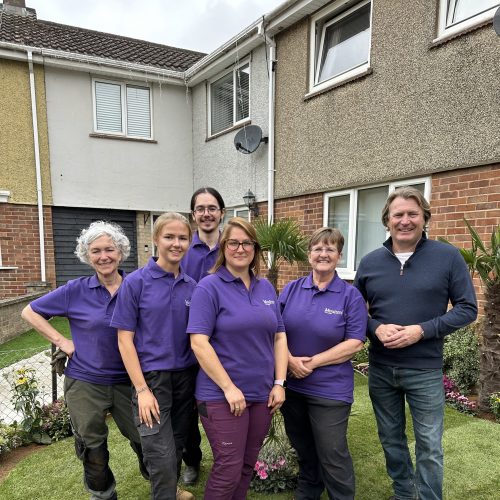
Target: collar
column 388, row 243
column 197, row 242
column 226, row 276
column 157, row 272
column 335, row 284
column 95, row 283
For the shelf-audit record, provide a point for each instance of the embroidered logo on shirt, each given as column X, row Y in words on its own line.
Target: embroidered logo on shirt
column 332, row 311
column 187, row 302
column 268, row 302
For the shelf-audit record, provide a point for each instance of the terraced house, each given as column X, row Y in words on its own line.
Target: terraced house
column 353, row 97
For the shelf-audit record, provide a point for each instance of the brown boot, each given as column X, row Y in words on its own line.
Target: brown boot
column 184, row 495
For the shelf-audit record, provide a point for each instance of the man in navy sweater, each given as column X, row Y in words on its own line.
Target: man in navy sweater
column 408, row 284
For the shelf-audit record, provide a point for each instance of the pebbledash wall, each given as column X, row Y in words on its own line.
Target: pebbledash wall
column 472, row 193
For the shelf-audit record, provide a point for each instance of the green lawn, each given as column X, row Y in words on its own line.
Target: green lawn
column 29, row 343
column 472, row 462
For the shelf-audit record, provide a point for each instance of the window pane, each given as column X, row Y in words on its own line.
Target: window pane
column 370, row 233
column 345, row 44
column 138, row 112
column 242, row 213
column 221, row 95
column 469, row 8
column 338, row 216
column 108, row 107
column 242, row 92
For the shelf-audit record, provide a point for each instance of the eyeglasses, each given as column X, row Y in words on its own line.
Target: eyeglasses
column 320, row 250
column 235, row 244
column 212, row 210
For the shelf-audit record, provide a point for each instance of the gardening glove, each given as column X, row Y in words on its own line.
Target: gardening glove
column 58, row 361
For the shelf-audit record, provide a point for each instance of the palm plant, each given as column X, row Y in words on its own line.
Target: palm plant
column 281, row 241
column 484, row 261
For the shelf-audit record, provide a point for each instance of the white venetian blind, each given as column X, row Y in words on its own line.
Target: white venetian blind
column 221, row 103
column 138, row 112
column 108, row 107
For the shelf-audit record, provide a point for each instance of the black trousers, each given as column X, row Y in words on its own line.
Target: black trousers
column 162, row 444
column 317, row 430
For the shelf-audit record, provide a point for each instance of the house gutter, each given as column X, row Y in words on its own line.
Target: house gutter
column 39, row 192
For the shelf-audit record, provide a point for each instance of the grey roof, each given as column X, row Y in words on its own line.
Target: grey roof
column 28, row 30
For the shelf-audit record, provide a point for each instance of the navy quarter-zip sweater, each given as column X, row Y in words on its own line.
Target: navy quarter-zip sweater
column 417, row 293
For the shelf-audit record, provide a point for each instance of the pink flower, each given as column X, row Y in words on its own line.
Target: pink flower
column 262, row 474
column 281, row 461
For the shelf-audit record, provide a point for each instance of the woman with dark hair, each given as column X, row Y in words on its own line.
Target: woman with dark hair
column 151, row 317
column 96, row 381
column 325, row 319
column 239, row 340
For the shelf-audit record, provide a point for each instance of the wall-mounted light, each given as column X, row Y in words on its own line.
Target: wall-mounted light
column 249, row 200
column 146, row 248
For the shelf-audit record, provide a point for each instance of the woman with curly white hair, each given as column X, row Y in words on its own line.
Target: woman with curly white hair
column 96, row 381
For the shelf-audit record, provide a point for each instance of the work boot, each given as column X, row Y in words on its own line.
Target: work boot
column 183, row 495
column 191, row 473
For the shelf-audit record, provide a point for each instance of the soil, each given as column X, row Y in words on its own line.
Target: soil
column 9, row 460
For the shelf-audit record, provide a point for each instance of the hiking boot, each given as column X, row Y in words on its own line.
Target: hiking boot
column 191, row 473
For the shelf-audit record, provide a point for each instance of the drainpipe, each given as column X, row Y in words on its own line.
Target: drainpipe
column 270, row 149
column 39, row 193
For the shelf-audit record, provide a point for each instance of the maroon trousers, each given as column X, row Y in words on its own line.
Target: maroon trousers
column 235, row 443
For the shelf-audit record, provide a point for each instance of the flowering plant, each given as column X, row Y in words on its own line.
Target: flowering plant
column 457, row 400
column 25, row 400
column 9, row 438
column 495, row 405
column 56, row 422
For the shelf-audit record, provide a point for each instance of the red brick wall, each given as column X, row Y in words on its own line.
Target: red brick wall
column 20, row 248
column 473, row 193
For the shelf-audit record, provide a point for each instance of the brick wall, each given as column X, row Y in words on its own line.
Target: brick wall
column 473, row 193
column 143, row 228
column 20, row 248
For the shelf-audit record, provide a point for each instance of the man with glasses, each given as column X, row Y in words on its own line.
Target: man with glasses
column 207, row 210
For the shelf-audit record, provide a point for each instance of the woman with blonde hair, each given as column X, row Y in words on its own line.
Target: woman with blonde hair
column 151, row 316
column 238, row 338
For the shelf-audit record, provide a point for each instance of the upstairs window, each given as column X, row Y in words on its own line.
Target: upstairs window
column 341, row 39
column 122, row 109
column 460, row 15
column 230, row 99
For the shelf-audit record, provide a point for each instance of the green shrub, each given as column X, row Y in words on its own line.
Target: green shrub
column 495, row 405
column 461, row 358
column 56, row 421
column 361, row 356
column 10, row 438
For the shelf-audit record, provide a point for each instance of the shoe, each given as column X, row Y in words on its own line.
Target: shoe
column 184, row 495
column 191, row 473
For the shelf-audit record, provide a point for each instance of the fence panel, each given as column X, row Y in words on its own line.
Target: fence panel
column 50, row 386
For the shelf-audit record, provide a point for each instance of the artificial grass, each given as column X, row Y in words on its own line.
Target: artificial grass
column 471, row 447
column 29, row 343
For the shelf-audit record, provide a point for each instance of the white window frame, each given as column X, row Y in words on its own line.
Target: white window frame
column 318, row 22
column 233, row 212
column 235, row 123
column 349, row 271
column 123, row 95
column 447, row 29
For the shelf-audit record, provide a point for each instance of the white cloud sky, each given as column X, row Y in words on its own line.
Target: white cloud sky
column 201, row 25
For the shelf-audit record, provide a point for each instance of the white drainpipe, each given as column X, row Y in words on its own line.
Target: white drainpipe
column 39, row 193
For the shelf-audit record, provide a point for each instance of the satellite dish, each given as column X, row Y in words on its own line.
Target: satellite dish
column 496, row 21
column 248, row 139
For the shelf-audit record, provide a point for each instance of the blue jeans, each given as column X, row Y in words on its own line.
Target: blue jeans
column 424, row 393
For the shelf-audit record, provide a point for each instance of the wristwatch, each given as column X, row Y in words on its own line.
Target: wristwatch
column 281, row 382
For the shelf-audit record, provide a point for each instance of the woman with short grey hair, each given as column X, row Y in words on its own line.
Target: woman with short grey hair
column 96, row 381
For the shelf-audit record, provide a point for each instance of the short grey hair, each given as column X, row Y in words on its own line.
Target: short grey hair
column 96, row 230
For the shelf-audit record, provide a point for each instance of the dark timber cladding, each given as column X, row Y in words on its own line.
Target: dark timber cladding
column 67, row 224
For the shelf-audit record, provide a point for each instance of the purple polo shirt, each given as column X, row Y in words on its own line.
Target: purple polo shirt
column 317, row 320
column 241, row 325
column 154, row 305
column 199, row 259
column 88, row 306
